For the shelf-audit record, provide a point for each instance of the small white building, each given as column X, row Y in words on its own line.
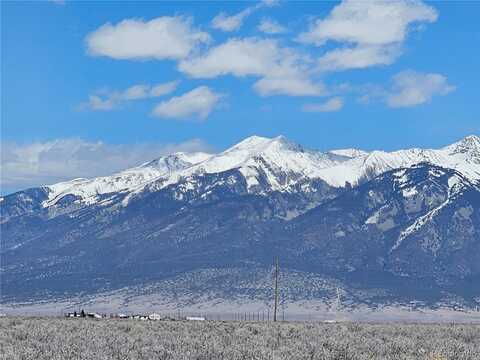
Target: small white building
column 94, row 315
column 195, row 318
column 154, row 317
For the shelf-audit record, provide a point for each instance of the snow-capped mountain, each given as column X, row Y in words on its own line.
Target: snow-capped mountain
column 279, row 163
column 88, row 189
column 396, row 221
column 463, row 156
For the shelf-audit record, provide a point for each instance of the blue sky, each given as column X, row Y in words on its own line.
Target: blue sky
column 84, row 82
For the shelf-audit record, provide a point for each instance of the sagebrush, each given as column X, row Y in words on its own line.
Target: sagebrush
column 57, row 338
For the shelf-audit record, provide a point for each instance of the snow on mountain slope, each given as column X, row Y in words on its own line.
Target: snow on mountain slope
column 467, row 149
column 350, row 153
column 88, row 189
column 278, row 161
column 277, row 164
column 278, row 151
column 463, row 156
column 456, row 185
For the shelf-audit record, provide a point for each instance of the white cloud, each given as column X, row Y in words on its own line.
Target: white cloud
column 373, row 31
column 411, row 88
column 163, row 89
column 109, row 100
column 198, row 103
column 295, row 85
column 239, row 57
column 282, row 70
column 230, row 23
column 358, row 57
column 269, row 26
column 161, row 38
column 369, row 22
column 333, row 104
column 40, row 163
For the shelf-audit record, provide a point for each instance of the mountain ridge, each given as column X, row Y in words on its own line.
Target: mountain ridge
column 406, row 230
column 331, row 166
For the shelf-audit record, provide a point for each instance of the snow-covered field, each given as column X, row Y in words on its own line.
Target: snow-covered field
column 57, row 338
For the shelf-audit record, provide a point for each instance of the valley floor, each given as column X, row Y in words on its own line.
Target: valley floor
column 58, row 338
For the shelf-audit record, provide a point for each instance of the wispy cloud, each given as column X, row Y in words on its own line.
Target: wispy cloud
column 225, row 22
column 292, row 83
column 195, row 104
column 135, row 39
column 40, row 163
column 230, row 23
column 358, row 57
column 408, row 88
column 411, row 88
column 106, row 100
column 331, row 105
column 271, row 27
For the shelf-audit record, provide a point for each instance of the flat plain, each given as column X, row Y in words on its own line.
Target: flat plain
column 59, row 338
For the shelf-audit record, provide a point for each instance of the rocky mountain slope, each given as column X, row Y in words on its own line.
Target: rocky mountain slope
column 385, row 227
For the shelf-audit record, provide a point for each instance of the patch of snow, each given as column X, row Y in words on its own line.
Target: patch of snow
column 453, row 181
column 373, row 219
column 409, row 192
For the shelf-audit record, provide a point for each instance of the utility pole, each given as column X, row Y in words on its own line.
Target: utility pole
column 276, row 291
column 338, row 300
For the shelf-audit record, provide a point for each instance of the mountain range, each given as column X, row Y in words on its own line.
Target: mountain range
column 396, row 227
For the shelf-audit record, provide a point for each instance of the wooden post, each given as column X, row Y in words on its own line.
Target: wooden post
column 276, row 291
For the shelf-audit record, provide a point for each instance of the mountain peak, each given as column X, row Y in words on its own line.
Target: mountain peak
column 285, row 144
column 468, row 143
column 468, row 149
column 176, row 160
column 472, row 141
column 257, row 144
column 251, row 141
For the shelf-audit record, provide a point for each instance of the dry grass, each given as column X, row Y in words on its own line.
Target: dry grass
column 56, row 338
